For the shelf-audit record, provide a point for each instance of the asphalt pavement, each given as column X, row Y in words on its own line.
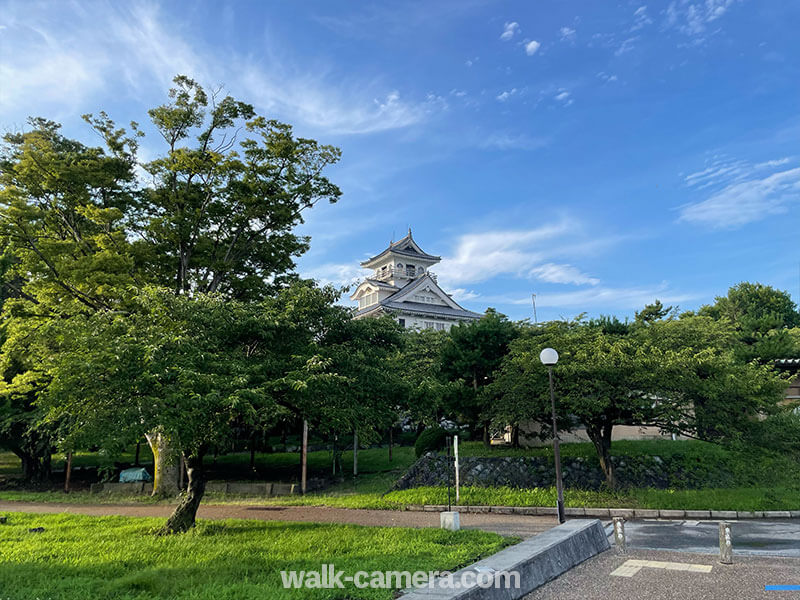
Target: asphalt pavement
column 750, row 537
column 660, row 575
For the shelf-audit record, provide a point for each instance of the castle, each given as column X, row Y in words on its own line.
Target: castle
column 403, row 286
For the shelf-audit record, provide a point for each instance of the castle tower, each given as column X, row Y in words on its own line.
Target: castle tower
column 403, row 286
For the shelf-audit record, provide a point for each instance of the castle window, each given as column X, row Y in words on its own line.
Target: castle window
column 402, row 322
column 440, row 326
column 429, row 324
column 410, row 270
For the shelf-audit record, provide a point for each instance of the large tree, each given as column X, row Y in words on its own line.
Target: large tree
column 678, row 375
column 470, row 357
column 214, row 213
column 762, row 317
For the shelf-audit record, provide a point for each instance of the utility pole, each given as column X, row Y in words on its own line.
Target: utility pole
column 535, row 319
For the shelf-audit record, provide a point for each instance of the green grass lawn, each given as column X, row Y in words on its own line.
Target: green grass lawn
column 761, row 481
column 79, row 557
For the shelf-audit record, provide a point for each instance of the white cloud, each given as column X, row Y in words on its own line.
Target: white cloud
column 553, row 273
column 67, row 56
column 564, row 96
column 640, row 19
column 526, row 254
column 502, row 97
column 567, row 34
column 512, row 141
column 750, row 198
column 509, row 31
column 598, row 298
column 339, row 275
column 462, row 295
column 626, row 46
column 532, row 47
column 606, row 77
column 693, row 18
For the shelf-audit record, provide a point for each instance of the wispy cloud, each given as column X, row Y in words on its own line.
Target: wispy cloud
column 509, row 31
column 604, row 298
column 567, row 34
column 742, row 192
column 339, row 275
column 693, row 18
column 503, row 96
column 532, row 47
column 528, row 254
column 640, row 19
column 564, row 96
column 68, row 55
column 512, row 141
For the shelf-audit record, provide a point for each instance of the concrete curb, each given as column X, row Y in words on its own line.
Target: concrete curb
column 537, row 560
column 606, row 513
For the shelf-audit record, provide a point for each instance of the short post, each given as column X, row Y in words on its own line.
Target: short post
column 619, row 535
column 355, row 454
column 725, row 544
column 455, row 463
column 304, row 459
column 68, row 473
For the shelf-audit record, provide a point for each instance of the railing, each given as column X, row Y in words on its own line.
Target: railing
column 383, row 274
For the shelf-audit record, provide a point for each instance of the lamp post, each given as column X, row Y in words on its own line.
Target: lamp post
column 549, row 358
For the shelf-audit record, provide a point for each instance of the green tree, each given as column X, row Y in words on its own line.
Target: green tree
column 470, row 357
column 762, row 317
column 678, row 375
column 82, row 234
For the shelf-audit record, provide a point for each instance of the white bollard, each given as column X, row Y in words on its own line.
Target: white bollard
column 725, row 544
column 619, row 535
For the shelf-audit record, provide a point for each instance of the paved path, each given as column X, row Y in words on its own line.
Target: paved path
column 511, row 525
column 750, row 537
column 745, row 578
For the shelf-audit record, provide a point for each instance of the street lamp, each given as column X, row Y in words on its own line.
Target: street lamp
column 549, row 358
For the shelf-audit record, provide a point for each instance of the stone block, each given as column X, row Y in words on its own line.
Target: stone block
column 777, row 514
column 217, row 487
column 546, row 510
column 575, row 512
column 749, row 515
column 414, row 507
column 282, row 489
column 537, row 560
column 598, row 513
column 449, row 520
column 625, row 513
column 795, row 514
column 248, row 489
column 96, row 488
column 672, row 514
column 501, row 510
column 723, row 514
column 698, row 514
column 478, row 509
column 645, row 513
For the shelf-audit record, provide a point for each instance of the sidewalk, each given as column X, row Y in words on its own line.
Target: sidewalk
column 509, row 525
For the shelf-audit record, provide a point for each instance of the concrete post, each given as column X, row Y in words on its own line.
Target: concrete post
column 619, row 535
column 725, row 544
column 449, row 520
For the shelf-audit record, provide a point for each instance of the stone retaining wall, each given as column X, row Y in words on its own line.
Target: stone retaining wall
column 244, row 488
column 533, row 471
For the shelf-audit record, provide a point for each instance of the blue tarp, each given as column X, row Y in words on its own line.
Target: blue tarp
column 134, row 475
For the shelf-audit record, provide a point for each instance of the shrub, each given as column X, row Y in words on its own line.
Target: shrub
column 431, row 439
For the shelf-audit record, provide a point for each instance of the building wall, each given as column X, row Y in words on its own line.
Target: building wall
column 620, row 432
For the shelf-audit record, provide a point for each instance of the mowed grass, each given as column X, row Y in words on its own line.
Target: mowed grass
column 79, row 557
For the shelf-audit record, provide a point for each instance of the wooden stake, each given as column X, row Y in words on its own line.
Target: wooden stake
column 391, row 442
column 136, row 458
column 68, row 474
column 304, row 459
column 355, row 454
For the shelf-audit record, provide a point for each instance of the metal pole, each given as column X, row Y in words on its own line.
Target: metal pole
column 355, row 454
column 449, row 508
column 556, row 450
column 455, row 455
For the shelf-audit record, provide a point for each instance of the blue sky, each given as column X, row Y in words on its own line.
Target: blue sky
column 599, row 154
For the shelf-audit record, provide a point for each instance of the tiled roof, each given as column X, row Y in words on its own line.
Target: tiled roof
column 397, row 247
column 788, row 362
column 433, row 309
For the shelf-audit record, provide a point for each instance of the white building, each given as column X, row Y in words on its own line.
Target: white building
column 403, row 287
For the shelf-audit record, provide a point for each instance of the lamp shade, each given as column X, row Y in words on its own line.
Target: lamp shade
column 548, row 356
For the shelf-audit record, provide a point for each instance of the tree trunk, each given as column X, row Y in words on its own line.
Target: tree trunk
column 183, row 519
column 601, row 438
column 35, row 469
column 515, row 436
column 487, row 443
column 166, row 465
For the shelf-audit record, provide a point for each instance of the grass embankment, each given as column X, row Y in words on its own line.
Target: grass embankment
column 759, row 481
column 79, row 557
